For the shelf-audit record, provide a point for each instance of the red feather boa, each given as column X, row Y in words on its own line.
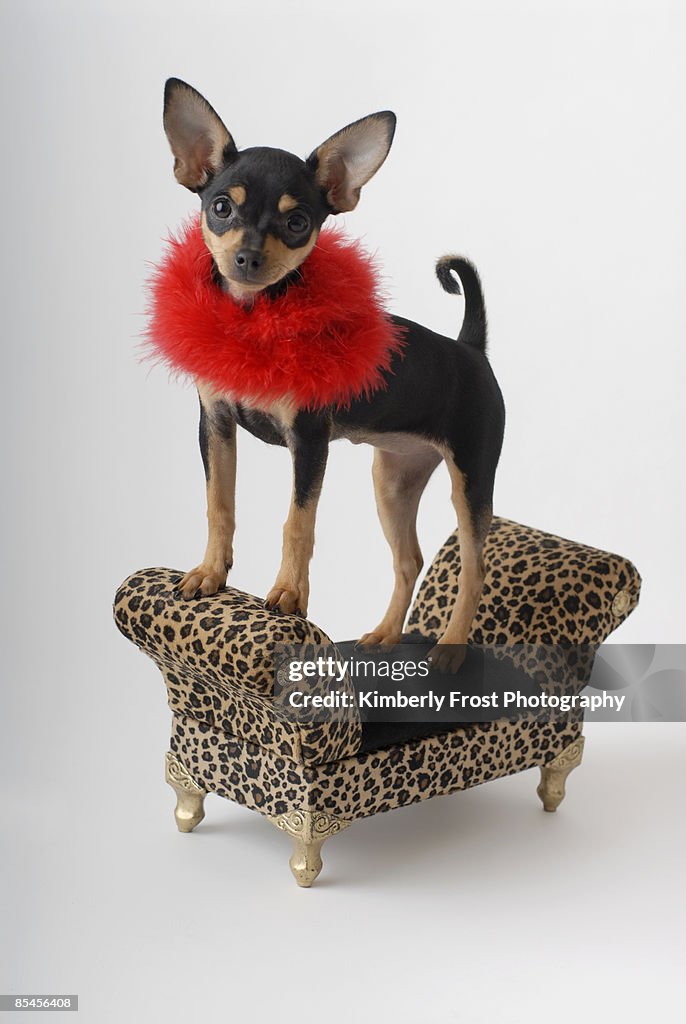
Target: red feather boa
column 325, row 341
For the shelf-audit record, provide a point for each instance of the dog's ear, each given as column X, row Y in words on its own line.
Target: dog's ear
column 197, row 135
column 346, row 161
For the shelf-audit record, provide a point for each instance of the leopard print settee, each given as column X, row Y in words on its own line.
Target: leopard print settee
column 313, row 777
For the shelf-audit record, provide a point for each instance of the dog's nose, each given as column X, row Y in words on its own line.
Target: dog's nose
column 248, row 259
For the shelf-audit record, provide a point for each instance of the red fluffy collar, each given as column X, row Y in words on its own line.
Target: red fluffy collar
column 325, row 341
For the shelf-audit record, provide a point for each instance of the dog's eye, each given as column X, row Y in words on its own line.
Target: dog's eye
column 221, row 207
column 298, row 223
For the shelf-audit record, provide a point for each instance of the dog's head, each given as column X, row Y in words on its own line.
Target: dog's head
column 262, row 208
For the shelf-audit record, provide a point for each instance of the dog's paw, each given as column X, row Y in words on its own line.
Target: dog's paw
column 380, row 637
column 204, row 580
column 287, row 597
column 447, row 657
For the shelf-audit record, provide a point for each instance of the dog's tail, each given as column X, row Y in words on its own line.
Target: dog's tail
column 474, row 326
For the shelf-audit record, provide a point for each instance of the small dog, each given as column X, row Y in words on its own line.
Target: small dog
column 261, row 212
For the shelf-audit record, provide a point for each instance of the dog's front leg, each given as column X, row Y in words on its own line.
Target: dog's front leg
column 308, row 441
column 218, row 449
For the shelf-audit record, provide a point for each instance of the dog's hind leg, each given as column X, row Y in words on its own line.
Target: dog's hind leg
column 399, row 482
column 472, row 500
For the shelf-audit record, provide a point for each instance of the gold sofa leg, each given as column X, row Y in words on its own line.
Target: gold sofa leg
column 190, row 797
column 551, row 788
column 308, row 829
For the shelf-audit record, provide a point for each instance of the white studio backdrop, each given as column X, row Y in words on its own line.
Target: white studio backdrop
column 542, row 139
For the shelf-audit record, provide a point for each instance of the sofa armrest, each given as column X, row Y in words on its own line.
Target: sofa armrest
column 217, row 657
column 539, row 589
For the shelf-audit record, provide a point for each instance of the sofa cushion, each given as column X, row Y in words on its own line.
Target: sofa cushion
column 485, row 670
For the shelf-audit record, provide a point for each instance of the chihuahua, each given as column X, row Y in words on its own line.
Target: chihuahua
column 261, row 212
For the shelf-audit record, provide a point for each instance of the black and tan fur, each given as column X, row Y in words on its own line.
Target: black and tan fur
column 262, row 210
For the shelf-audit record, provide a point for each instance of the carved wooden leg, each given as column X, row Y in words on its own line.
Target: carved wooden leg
column 308, row 829
column 189, row 810
column 551, row 788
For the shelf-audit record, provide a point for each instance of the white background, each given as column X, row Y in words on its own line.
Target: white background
column 543, row 139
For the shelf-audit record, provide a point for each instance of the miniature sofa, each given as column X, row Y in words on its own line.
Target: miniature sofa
column 313, row 778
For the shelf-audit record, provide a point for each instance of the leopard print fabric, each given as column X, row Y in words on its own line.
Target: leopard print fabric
column 216, row 655
column 230, row 711
column 357, row 787
column 539, row 589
